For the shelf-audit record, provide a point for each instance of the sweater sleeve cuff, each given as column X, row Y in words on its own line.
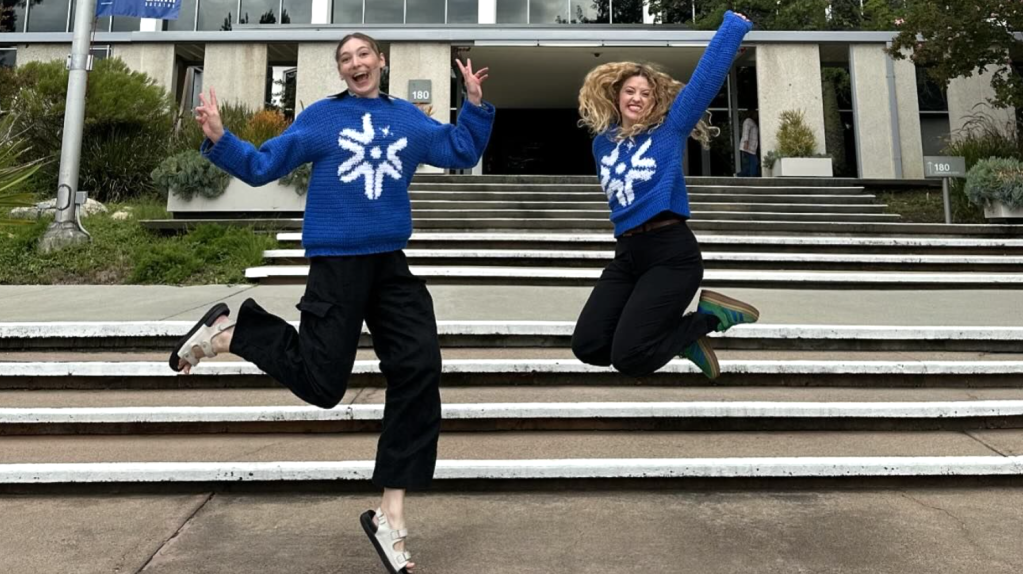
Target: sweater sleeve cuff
column 731, row 19
column 484, row 111
column 227, row 147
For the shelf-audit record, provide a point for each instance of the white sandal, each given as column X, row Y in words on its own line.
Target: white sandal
column 201, row 335
column 384, row 539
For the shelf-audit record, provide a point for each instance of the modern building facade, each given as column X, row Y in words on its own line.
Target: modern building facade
column 889, row 115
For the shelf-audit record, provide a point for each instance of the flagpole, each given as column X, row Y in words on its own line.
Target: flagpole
column 66, row 228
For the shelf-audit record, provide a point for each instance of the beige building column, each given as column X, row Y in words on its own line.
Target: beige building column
column 423, row 61
column 42, row 53
column 872, row 111
column 789, row 78
column 237, row 72
column 967, row 97
column 317, row 73
column 154, row 60
column 909, row 120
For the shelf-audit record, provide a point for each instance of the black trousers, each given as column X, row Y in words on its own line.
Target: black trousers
column 316, row 361
column 634, row 319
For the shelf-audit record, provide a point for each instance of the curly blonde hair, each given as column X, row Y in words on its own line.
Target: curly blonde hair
column 598, row 101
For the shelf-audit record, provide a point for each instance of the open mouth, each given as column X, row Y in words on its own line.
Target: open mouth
column 636, row 109
column 360, row 77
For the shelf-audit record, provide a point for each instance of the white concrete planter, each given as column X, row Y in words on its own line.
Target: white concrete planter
column 999, row 210
column 803, row 167
column 240, row 197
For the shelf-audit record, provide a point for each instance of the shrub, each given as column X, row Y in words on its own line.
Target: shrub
column 15, row 170
column 983, row 137
column 996, row 180
column 795, row 138
column 123, row 107
column 262, row 126
column 188, row 174
column 299, row 179
column 208, row 254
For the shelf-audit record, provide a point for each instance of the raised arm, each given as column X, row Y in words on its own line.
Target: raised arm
column 461, row 146
column 710, row 74
column 273, row 160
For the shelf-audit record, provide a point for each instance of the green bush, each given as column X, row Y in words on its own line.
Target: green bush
column 983, row 137
column 795, row 138
column 996, row 180
column 299, row 179
column 208, row 254
column 188, row 174
column 123, row 108
column 15, row 170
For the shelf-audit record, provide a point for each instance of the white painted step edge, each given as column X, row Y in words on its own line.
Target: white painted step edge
column 780, row 467
column 707, row 256
column 488, row 411
column 814, row 277
column 104, row 329
column 709, row 239
column 530, row 366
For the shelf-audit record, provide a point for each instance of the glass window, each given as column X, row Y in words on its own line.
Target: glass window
column 591, row 11
column 511, row 11
column 385, row 11
column 12, row 15
column 425, row 12
column 548, row 11
column 348, row 11
column 186, row 18
column 216, row 14
column 258, row 12
column 297, row 12
column 126, row 24
column 48, row 16
column 933, row 96
column 102, row 24
column 627, row 11
column 463, row 11
column 8, row 58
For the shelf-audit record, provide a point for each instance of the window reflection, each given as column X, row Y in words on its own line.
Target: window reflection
column 348, row 11
column 217, row 14
column 186, row 18
column 463, row 11
column 48, row 16
column 511, row 11
column 258, row 12
column 12, row 15
column 297, row 12
column 425, row 12
column 385, row 11
column 548, row 12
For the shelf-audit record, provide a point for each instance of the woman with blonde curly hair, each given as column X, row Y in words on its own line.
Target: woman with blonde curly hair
column 641, row 117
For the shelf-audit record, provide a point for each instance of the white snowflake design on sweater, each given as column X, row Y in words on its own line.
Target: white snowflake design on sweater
column 371, row 169
column 618, row 185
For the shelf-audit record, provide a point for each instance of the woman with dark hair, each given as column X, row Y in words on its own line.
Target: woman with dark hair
column 365, row 147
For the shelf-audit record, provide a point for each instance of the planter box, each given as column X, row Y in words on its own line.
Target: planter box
column 239, row 197
column 1002, row 211
column 803, row 167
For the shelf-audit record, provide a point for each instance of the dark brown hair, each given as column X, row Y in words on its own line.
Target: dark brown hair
column 359, row 36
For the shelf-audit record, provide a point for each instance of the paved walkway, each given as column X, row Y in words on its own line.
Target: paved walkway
column 906, row 531
column 797, row 306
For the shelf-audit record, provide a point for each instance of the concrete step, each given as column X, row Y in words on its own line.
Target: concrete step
column 122, row 372
column 517, row 456
column 160, row 335
column 786, row 182
column 565, row 414
column 422, row 216
column 734, row 196
column 541, row 225
column 501, row 206
column 465, row 275
column 712, row 260
column 714, row 242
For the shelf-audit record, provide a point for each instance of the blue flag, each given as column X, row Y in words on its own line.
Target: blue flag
column 160, row 9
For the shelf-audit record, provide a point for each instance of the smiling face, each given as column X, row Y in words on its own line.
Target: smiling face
column 634, row 99
column 360, row 64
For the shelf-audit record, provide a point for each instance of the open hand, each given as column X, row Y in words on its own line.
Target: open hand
column 208, row 116
column 473, row 81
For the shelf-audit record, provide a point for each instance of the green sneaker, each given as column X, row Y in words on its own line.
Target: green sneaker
column 703, row 356
column 730, row 312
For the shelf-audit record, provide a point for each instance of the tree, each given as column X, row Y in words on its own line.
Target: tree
column 964, row 38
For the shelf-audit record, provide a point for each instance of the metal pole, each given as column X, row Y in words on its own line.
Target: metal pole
column 945, row 197
column 66, row 229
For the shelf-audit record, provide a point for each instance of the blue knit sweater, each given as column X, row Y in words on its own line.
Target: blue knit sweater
column 364, row 153
column 642, row 176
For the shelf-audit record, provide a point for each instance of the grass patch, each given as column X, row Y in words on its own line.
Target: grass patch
column 927, row 206
column 123, row 252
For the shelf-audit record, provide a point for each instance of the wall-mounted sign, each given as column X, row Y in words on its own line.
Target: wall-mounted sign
column 420, row 91
column 940, row 166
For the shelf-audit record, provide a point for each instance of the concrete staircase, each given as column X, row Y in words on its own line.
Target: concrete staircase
column 96, row 403
column 764, row 232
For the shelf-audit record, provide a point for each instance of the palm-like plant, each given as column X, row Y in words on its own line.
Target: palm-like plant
column 14, row 168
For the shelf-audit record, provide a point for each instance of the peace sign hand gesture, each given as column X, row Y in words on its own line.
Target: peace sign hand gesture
column 208, row 116
column 473, row 81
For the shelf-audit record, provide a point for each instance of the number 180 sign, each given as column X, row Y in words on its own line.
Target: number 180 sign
column 940, row 166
